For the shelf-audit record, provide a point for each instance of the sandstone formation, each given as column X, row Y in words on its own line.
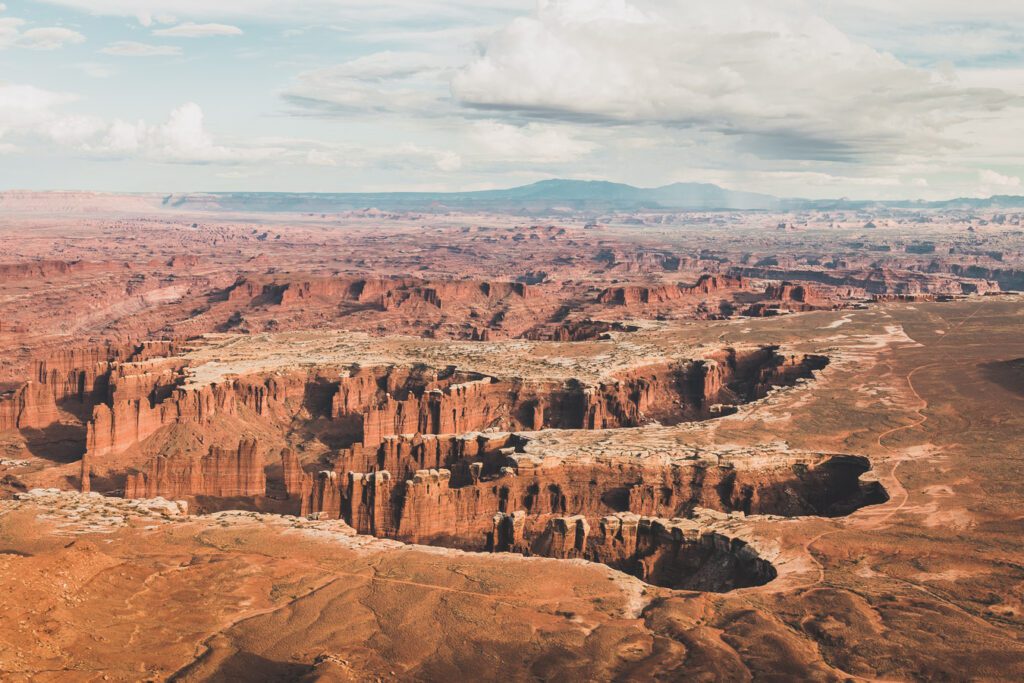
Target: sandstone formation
column 149, row 400
column 676, row 553
column 707, row 284
column 221, row 473
column 446, row 490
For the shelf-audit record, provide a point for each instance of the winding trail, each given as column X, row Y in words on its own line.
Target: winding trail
column 870, row 523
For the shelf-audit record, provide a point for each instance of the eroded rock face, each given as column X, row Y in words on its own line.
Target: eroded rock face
column 491, row 493
column 363, row 406
column 292, row 474
column 459, row 500
column 32, row 405
column 445, row 457
column 482, row 516
column 221, row 473
column 882, row 282
column 80, row 378
column 677, row 553
column 634, row 295
column 384, row 293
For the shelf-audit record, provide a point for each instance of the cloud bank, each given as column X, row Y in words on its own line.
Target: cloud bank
column 860, row 97
column 789, row 85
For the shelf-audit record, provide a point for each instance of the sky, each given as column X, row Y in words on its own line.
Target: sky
column 874, row 99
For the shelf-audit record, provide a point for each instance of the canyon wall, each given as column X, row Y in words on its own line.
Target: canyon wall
column 660, row 294
column 76, row 379
column 382, row 293
column 149, row 431
column 454, row 504
column 221, row 473
column 609, row 512
column 677, row 553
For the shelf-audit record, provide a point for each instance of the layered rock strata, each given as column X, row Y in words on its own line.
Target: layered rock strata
column 454, row 504
column 363, row 406
column 221, row 473
column 79, row 379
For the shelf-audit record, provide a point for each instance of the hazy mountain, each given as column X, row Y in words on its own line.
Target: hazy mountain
column 994, row 203
column 544, row 197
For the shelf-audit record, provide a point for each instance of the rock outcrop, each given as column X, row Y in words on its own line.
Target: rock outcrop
column 294, row 477
column 81, row 376
column 221, row 473
column 661, row 294
column 31, row 406
column 677, row 553
column 381, row 417
column 456, row 504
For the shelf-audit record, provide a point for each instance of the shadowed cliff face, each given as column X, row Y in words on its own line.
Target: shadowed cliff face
column 498, row 500
column 681, row 554
column 442, row 456
column 133, row 404
column 365, row 405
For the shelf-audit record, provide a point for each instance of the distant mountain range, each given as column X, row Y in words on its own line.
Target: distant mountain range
column 544, row 198
column 557, row 196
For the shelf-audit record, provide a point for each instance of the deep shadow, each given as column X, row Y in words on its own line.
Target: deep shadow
column 58, row 442
column 1009, row 374
column 246, row 666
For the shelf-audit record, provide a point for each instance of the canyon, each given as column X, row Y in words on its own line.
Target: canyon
column 438, row 456
column 724, row 445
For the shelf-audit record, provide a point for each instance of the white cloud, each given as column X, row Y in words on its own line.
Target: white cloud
column 531, row 143
column 50, row 38
column 995, row 183
column 28, row 108
column 995, row 179
column 790, row 84
column 925, row 11
column 317, row 12
column 130, row 48
column 183, row 138
column 41, row 38
column 449, row 161
column 191, row 30
column 317, row 158
column 821, row 179
column 33, row 114
column 782, row 96
column 380, row 82
column 406, row 156
column 10, row 30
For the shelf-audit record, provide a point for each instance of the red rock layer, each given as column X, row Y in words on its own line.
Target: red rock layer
column 78, row 374
column 875, row 281
column 456, row 503
column 221, row 473
column 382, row 293
column 292, row 473
column 676, row 554
column 660, row 294
column 31, row 406
column 574, row 331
